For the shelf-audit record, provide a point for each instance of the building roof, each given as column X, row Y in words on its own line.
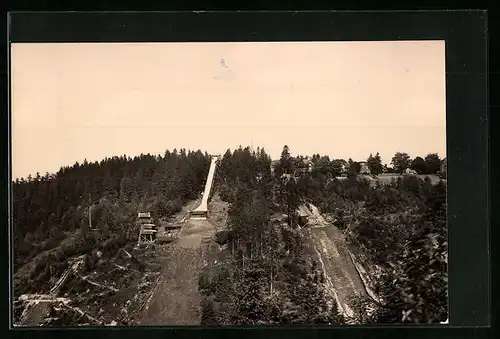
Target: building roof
column 365, row 169
column 144, row 215
column 303, row 211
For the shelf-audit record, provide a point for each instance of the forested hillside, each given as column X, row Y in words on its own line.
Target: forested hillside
column 398, row 229
column 50, row 213
column 268, row 275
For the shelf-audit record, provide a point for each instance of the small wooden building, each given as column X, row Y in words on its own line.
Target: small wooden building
column 364, row 169
column 303, row 215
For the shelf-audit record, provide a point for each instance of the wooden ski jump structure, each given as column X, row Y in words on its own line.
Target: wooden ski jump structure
column 201, row 212
column 148, row 231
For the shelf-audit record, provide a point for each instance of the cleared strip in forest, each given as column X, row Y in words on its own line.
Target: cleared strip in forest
column 176, row 299
column 342, row 276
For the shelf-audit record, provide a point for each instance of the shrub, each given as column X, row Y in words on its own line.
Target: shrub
column 208, row 314
column 205, row 284
column 222, row 237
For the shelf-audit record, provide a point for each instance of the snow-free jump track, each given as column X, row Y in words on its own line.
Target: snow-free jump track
column 201, row 212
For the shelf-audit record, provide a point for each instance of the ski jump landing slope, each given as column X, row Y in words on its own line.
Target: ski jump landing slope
column 201, row 211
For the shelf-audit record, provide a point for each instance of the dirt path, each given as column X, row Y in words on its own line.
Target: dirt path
column 176, row 300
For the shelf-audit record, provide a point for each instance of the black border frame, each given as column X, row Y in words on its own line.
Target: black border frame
column 465, row 33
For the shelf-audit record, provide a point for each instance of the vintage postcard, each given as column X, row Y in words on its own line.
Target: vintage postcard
column 263, row 183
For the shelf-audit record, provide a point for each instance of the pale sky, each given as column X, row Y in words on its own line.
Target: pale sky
column 72, row 101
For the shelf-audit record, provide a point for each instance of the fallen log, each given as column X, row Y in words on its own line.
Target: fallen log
column 120, row 267
column 145, row 305
column 99, row 285
column 79, row 311
column 48, row 299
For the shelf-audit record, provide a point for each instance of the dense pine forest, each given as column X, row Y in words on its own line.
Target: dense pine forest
column 268, row 271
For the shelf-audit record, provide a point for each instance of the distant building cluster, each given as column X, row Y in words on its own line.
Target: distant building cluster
column 304, row 165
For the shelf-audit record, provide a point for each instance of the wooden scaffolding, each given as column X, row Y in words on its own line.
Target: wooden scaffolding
column 147, row 234
column 147, row 230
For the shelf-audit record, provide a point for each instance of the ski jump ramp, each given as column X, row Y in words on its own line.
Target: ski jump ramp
column 201, row 212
